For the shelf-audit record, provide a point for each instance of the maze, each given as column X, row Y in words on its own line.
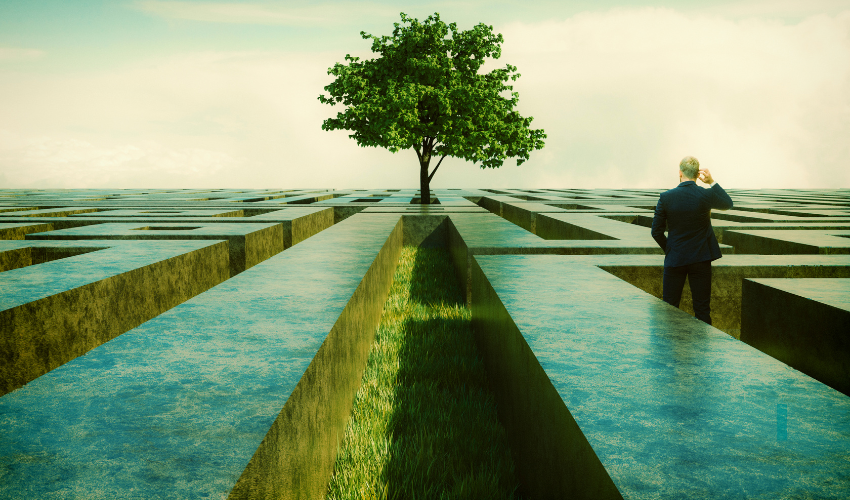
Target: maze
column 208, row 343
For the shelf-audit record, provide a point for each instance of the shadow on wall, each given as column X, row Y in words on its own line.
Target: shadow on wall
column 447, row 434
column 726, row 286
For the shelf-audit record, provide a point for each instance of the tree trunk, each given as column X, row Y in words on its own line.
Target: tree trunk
column 424, row 183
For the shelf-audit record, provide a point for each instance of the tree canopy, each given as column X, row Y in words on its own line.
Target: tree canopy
column 424, row 92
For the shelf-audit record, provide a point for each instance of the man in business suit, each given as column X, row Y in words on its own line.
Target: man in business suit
column 690, row 244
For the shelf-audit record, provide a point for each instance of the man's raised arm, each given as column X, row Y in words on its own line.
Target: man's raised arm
column 720, row 200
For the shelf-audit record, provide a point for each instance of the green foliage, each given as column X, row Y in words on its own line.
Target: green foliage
column 424, row 91
column 423, row 424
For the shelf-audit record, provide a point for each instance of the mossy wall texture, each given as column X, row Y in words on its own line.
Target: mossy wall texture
column 803, row 323
column 208, row 343
column 295, row 459
column 51, row 330
column 552, row 456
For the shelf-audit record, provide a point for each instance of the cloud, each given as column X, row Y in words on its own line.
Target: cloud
column 261, row 13
column 624, row 94
column 235, row 119
column 16, row 54
column 772, row 9
column 48, row 162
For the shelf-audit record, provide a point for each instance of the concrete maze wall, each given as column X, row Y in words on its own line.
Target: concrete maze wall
column 208, row 343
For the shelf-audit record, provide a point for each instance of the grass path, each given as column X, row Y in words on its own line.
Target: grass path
column 424, row 424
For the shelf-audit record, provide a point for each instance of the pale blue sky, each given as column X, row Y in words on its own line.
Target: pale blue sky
column 159, row 93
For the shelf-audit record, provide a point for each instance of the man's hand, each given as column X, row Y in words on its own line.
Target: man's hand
column 705, row 176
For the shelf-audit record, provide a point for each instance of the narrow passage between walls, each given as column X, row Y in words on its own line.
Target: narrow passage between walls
column 424, row 422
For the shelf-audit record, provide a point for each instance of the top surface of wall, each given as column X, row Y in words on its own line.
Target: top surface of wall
column 211, row 367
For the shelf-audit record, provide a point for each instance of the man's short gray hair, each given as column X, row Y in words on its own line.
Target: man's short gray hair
column 690, row 167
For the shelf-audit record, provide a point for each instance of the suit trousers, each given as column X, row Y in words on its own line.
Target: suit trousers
column 699, row 277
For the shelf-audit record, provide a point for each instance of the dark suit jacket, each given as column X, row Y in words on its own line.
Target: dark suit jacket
column 685, row 211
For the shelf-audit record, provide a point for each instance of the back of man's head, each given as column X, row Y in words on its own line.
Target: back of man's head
column 689, row 167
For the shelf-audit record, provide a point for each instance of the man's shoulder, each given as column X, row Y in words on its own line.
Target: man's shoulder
column 678, row 189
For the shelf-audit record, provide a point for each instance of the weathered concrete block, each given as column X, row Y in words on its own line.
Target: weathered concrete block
column 243, row 390
column 553, row 458
column 788, row 242
column 261, row 368
column 653, row 401
column 427, row 231
column 53, row 312
column 249, row 243
column 804, row 323
column 17, row 231
column 727, row 276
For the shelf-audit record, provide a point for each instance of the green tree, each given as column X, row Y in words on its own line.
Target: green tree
column 424, row 92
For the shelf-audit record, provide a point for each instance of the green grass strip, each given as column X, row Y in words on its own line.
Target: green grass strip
column 424, row 423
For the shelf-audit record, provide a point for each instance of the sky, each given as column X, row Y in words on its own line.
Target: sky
column 208, row 94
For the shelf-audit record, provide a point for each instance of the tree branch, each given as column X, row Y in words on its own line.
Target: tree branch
column 418, row 154
column 435, row 168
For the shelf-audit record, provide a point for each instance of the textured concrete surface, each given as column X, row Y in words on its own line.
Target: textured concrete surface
column 17, row 231
column 295, row 458
column 246, row 385
column 249, row 243
column 7, row 207
column 304, row 226
column 560, row 226
column 52, row 312
column 427, row 231
column 785, row 242
column 728, row 274
column 721, row 226
column 299, row 200
column 804, row 323
column 750, row 216
column 17, row 256
column 671, row 407
column 164, row 213
column 54, row 212
column 297, row 223
column 488, row 234
column 553, row 458
column 424, row 209
column 528, row 215
column 260, row 368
